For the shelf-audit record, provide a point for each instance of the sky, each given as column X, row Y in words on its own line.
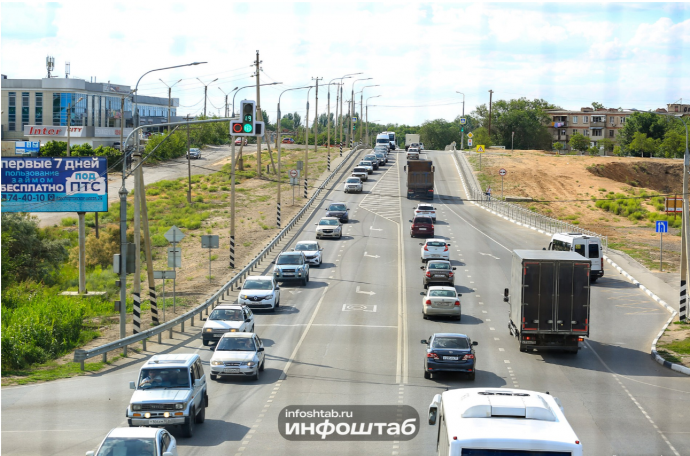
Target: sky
column 630, row 55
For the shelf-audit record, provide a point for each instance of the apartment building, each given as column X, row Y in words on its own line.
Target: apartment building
column 594, row 124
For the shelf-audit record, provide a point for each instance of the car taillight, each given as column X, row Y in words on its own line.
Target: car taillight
column 432, row 227
column 468, row 356
column 432, row 355
column 428, row 273
column 457, row 303
column 428, row 302
column 451, row 274
column 446, row 249
column 426, row 247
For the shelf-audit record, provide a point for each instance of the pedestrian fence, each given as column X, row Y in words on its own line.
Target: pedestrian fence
column 81, row 355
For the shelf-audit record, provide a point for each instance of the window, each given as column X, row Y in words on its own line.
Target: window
column 25, row 109
column 38, row 110
column 561, row 246
column 580, row 248
column 613, row 120
column 586, row 132
column 596, row 133
column 165, row 441
column 611, row 132
column 585, row 119
column 574, row 131
column 574, row 119
column 593, row 250
column 12, row 111
column 623, row 120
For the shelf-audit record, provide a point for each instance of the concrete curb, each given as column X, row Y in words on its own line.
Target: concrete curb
column 655, row 355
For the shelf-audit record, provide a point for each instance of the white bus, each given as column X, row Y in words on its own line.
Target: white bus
column 587, row 246
column 501, row 422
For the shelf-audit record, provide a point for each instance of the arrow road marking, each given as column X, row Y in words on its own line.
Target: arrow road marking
column 371, row 256
column 370, row 293
column 488, row 254
column 375, row 229
column 293, row 291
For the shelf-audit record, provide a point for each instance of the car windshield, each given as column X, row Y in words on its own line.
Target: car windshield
column 379, row 154
column 113, row 446
column 459, row 343
column 309, row 247
column 425, row 208
column 289, row 259
column 328, row 222
column 419, row 220
column 337, row 207
column 257, row 285
column 365, row 163
column 236, row 344
column 369, row 157
column 164, row 378
column 442, row 293
column 360, row 170
column 436, row 244
column 354, row 180
column 439, row 265
column 227, row 315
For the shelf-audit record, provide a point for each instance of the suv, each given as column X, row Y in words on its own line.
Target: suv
column 373, row 159
column 260, row 292
column 194, row 152
column 422, row 226
column 227, row 318
column 291, row 266
column 171, row 391
column 361, row 172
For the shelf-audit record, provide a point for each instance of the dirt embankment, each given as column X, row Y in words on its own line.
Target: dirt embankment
column 664, row 177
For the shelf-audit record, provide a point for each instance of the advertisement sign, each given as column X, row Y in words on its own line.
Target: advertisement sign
column 26, row 147
column 58, row 131
column 62, row 184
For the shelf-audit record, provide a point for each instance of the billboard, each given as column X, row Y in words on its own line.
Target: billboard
column 61, row 184
column 26, row 147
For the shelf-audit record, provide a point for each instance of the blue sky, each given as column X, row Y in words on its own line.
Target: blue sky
column 419, row 54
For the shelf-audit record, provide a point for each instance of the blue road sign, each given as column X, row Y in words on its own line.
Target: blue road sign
column 661, row 226
column 26, row 147
column 463, row 121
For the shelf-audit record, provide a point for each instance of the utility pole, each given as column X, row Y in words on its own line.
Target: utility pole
column 258, row 115
column 306, row 148
column 341, row 114
column 206, row 91
column 685, row 234
column 491, row 93
column 316, row 121
column 328, row 128
column 189, row 168
column 147, row 249
column 136, row 286
column 169, row 97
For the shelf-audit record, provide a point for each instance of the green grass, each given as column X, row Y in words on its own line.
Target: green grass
column 50, row 371
column 679, row 346
column 669, row 356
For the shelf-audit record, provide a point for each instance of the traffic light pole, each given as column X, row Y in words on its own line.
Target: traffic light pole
column 232, row 204
column 258, row 116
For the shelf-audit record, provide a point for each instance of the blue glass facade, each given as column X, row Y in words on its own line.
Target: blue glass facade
column 62, row 101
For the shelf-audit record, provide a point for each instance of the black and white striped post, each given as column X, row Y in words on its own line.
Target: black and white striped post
column 232, row 252
column 306, row 187
column 329, row 159
column 683, row 308
column 153, row 299
column 278, row 215
column 136, row 321
column 341, row 148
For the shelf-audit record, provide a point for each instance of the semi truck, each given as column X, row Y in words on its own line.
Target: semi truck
column 411, row 139
column 420, row 179
column 549, row 300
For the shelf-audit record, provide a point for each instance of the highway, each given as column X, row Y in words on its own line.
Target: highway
column 352, row 336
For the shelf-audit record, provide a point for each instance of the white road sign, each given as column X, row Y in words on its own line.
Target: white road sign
column 502, row 172
column 293, row 173
column 469, row 142
column 174, row 234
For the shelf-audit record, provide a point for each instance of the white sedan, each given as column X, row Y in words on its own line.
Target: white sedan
column 311, row 250
column 425, row 210
column 442, row 301
column 435, row 249
column 353, row 184
column 135, row 441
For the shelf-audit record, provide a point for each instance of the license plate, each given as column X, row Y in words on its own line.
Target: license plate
column 217, row 335
column 231, row 371
column 529, row 342
column 422, row 229
column 434, row 256
column 157, row 421
column 445, row 304
column 438, row 275
column 450, row 358
column 289, row 275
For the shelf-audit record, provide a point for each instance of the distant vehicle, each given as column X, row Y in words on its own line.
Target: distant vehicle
column 259, row 292
column 391, row 139
column 413, row 153
column 422, row 226
column 137, row 440
column 557, row 319
column 288, row 141
column 194, row 153
column 311, row 250
column 373, row 159
column 414, row 144
column 423, row 209
column 329, row 227
column 353, row 184
column 501, row 421
column 411, row 139
column 366, row 164
column 152, row 403
column 438, row 271
column 339, row 211
column 382, row 148
column 238, row 354
column 435, row 249
column 384, row 139
column 361, row 172
column 421, row 146
column 291, row 266
column 587, row 246
column 226, row 318
column 420, row 179
column 450, row 352
column 442, row 302
column 239, row 142
column 383, row 159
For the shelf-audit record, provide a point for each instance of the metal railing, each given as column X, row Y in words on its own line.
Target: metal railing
column 514, row 211
column 81, row 355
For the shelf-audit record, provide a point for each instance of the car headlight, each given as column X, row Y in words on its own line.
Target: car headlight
column 180, row 406
column 208, row 330
column 251, row 364
column 276, row 271
column 216, row 363
column 233, row 330
column 244, row 296
column 136, row 406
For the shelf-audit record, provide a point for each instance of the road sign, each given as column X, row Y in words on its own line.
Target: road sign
column 469, row 142
column 470, row 135
column 293, row 173
column 26, row 147
column 174, row 257
column 294, row 181
column 502, row 172
column 164, row 274
column 674, row 204
column 463, row 121
column 299, row 165
column 661, row 226
column 354, row 119
column 480, row 149
column 209, row 241
column 174, row 234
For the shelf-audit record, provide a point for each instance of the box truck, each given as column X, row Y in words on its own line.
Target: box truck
column 420, row 179
column 411, row 139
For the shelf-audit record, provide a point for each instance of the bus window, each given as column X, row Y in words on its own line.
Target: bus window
column 580, row 248
column 594, row 250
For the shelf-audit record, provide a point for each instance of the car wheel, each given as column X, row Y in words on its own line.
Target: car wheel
column 593, row 279
column 304, row 282
column 340, row 235
column 426, row 285
column 424, row 316
column 201, row 416
column 206, row 342
column 214, row 376
column 471, row 376
column 263, row 364
column 427, row 375
column 188, row 428
column 256, row 376
column 459, row 318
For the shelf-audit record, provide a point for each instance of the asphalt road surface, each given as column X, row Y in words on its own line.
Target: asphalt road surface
column 352, row 336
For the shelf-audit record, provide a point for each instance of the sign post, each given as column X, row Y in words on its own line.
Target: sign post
column 294, row 180
column 661, row 228
column 209, row 241
column 480, row 150
column 502, row 172
column 164, row 275
column 174, row 235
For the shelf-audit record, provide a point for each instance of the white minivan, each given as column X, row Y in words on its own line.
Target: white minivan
column 587, row 246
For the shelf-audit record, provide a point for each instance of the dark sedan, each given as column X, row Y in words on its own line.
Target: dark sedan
column 449, row 352
column 438, row 271
column 338, row 210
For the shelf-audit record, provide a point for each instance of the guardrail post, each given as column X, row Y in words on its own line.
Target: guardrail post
column 171, row 333
column 143, row 344
column 81, row 364
column 192, row 320
column 105, row 357
column 182, row 325
column 159, row 338
column 124, row 351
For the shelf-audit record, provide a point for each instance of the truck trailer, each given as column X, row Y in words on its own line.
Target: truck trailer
column 411, row 139
column 420, row 179
column 549, row 299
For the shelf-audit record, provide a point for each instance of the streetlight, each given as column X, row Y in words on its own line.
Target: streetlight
column 169, row 96
column 226, row 100
column 361, row 97
column 340, row 93
column 352, row 100
column 278, row 130
column 252, row 85
column 462, row 127
column 206, row 91
column 328, row 129
column 367, row 115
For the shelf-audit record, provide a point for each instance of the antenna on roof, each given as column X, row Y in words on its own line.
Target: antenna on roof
column 67, row 65
column 50, row 64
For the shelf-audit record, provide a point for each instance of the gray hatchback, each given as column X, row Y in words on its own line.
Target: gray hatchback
column 438, row 271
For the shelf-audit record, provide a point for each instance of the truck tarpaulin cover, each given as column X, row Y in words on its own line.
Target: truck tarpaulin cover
column 62, row 184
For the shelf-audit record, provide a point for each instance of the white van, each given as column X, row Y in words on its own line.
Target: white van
column 383, row 139
column 501, row 421
column 391, row 139
column 587, row 246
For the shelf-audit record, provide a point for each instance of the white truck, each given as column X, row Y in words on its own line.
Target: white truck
column 410, row 139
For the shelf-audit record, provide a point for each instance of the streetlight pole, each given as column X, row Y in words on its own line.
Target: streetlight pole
column 226, row 100
column 367, row 116
column 306, row 145
column 328, row 128
column 361, row 107
column 352, row 101
column 462, row 141
column 206, row 91
column 340, row 120
column 169, row 96
column 278, row 130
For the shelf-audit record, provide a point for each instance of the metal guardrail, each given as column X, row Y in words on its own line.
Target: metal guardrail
column 81, row 356
column 517, row 212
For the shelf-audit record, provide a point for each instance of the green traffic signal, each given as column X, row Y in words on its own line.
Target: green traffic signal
column 247, row 128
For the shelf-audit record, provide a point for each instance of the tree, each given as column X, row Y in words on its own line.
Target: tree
column 265, row 118
column 297, row 120
column 526, row 118
column 579, row 142
column 652, row 125
column 287, row 124
column 437, row 134
column 673, row 145
column 597, row 106
column 642, row 145
column 480, row 136
column 606, row 143
column 557, row 145
column 617, row 151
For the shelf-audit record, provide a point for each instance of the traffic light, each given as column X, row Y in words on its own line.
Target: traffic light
column 248, row 111
column 462, row 129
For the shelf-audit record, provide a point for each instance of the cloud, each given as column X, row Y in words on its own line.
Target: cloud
column 28, row 21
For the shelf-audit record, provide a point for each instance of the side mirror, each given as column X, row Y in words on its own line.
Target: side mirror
column 204, row 319
column 261, row 349
column 475, row 343
column 434, row 208
column 460, row 294
column 273, row 262
column 405, row 168
column 454, row 268
column 421, row 243
column 433, row 409
column 543, row 248
column 421, row 267
column 132, row 385
column 410, row 221
column 321, row 249
column 91, row 453
column 505, row 299
column 198, row 382
column 247, row 320
column 425, row 342
column 448, row 245
column 506, row 292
